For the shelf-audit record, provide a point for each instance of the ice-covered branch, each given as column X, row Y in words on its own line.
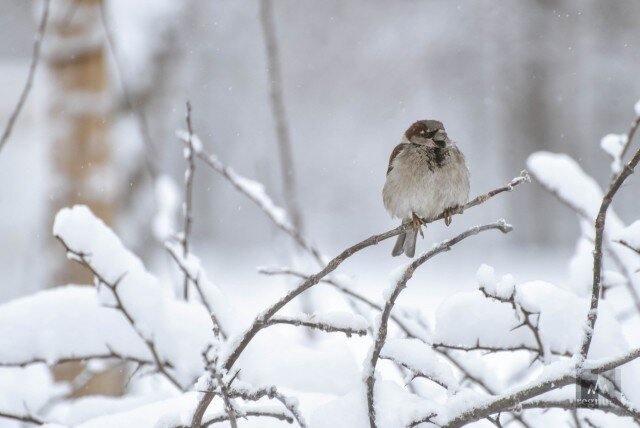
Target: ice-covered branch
column 340, row 322
column 400, row 285
column 35, row 60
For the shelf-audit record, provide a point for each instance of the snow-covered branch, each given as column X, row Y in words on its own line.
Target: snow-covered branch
column 401, row 283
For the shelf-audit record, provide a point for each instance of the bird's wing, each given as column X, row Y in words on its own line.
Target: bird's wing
column 396, row 151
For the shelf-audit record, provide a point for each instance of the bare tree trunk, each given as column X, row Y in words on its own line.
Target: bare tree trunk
column 81, row 167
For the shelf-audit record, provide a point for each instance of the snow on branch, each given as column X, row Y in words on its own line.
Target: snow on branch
column 210, row 295
column 174, row 332
column 394, row 292
column 65, row 324
column 597, row 254
column 555, row 376
column 341, row 322
column 421, row 360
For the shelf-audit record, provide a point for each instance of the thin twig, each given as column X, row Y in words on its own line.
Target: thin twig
column 328, row 328
column 592, row 315
column 188, row 203
column 195, row 280
column 22, row 418
column 256, row 413
column 35, row 60
column 400, row 285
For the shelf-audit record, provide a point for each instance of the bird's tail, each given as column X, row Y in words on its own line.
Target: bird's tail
column 406, row 243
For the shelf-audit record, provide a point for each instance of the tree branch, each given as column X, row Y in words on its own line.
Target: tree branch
column 22, row 418
column 82, row 259
column 401, row 285
column 35, row 60
column 592, row 315
column 188, row 203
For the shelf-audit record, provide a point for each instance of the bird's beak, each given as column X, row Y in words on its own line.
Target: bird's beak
column 441, row 138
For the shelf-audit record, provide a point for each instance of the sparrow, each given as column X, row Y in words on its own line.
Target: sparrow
column 427, row 175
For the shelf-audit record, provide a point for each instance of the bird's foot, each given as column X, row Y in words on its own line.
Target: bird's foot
column 417, row 223
column 448, row 214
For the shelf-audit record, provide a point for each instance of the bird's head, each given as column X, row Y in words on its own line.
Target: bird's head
column 429, row 133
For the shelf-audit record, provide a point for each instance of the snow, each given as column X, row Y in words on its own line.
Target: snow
column 636, row 108
column 168, row 200
column 631, row 234
column 560, row 173
column 613, row 144
column 420, row 358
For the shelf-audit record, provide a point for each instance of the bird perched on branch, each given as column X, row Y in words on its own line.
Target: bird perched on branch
column 427, row 176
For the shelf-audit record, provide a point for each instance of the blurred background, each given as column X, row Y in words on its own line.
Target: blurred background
column 506, row 78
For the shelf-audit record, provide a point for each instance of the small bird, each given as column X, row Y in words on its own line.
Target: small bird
column 427, row 175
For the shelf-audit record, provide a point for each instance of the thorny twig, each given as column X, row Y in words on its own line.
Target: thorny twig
column 35, row 60
column 397, row 289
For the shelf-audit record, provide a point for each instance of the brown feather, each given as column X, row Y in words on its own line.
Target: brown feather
column 396, row 151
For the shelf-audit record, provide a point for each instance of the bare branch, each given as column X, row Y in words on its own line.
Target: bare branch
column 106, row 356
column 35, row 60
column 22, row 418
column 188, row 203
column 256, row 413
column 400, row 285
column 309, row 322
column 632, row 131
column 629, row 246
column 592, row 315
